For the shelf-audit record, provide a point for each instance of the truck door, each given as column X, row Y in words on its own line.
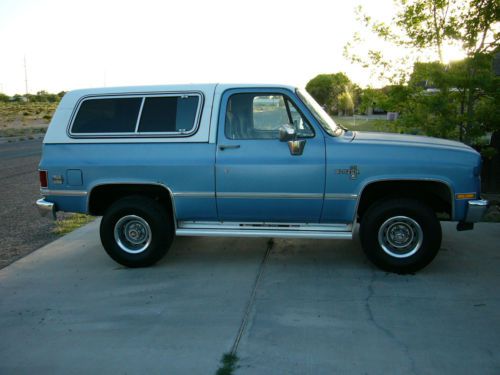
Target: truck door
column 258, row 177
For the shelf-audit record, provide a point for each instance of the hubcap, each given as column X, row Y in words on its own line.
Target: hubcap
column 400, row 236
column 132, row 234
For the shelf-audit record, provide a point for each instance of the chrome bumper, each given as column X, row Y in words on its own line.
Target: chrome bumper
column 45, row 207
column 476, row 210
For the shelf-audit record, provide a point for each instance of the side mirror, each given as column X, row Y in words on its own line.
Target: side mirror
column 287, row 133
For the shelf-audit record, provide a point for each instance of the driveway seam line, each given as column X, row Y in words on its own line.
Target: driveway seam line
column 251, row 300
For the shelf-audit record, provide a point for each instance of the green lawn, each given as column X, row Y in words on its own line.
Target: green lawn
column 363, row 123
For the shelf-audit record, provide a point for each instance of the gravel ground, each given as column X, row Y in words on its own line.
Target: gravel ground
column 22, row 229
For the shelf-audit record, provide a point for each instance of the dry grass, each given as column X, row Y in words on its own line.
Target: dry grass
column 71, row 222
column 25, row 119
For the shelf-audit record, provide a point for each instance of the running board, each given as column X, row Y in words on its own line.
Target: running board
column 279, row 230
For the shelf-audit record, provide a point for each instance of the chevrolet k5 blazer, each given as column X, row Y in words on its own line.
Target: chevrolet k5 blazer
column 250, row 161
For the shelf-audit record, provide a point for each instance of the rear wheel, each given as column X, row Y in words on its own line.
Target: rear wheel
column 136, row 231
column 400, row 235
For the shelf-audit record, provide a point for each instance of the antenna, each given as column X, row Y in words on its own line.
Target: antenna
column 25, row 75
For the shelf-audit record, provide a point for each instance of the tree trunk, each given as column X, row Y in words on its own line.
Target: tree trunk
column 437, row 33
column 461, row 124
column 471, row 91
column 470, row 114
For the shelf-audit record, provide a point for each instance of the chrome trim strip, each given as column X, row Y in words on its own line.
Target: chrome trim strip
column 67, row 193
column 194, row 194
column 139, row 115
column 247, row 195
column 264, row 233
column 341, row 196
column 202, row 194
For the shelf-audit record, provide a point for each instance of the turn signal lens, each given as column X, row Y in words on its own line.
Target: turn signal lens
column 466, row 196
column 43, row 179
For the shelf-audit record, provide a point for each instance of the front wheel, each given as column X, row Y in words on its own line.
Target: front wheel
column 136, row 231
column 400, row 235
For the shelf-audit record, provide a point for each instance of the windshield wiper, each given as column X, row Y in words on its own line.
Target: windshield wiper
column 342, row 127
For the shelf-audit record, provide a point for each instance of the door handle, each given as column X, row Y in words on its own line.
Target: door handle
column 226, row 147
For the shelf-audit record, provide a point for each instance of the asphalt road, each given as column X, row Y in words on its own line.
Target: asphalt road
column 284, row 306
column 22, row 230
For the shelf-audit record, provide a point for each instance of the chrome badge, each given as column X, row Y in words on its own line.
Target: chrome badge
column 352, row 171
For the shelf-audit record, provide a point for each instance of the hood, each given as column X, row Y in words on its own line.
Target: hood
column 391, row 139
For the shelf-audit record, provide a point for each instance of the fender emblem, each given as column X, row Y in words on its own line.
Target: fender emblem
column 352, row 171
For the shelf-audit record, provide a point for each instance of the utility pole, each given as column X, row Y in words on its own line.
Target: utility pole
column 25, row 75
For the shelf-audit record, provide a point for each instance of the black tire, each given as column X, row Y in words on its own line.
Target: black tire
column 400, row 235
column 136, row 231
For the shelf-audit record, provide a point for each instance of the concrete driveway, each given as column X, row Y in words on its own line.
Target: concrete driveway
column 284, row 306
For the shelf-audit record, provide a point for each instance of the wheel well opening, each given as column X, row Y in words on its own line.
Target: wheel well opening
column 103, row 196
column 434, row 194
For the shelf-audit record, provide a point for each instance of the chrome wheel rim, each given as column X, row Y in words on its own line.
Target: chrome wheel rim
column 400, row 236
column 132, row 234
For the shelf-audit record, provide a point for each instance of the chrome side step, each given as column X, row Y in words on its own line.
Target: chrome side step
column 280, row 230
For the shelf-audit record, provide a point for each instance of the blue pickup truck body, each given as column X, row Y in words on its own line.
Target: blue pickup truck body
column 217, row 184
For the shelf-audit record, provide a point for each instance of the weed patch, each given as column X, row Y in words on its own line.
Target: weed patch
column 70, row 223
column 228, row 364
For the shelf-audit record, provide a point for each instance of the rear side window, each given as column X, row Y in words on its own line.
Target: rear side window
column 168, row 115
column 107, row 116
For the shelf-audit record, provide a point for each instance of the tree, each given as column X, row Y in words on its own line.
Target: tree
column 328, row 88
column 356, row 92
column 436, row 99
column 420, row 25
column 478, row 87
column 430, row 106
column 345, row 104
column 18, row 98
column 370, row 99
column 43, row 97
column 320, row 88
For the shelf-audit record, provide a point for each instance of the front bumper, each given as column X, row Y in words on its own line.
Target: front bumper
column 44, row 207
column 476, row 210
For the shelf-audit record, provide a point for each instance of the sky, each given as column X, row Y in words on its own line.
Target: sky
column 72, row 44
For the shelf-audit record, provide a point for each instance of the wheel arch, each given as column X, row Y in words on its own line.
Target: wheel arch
column 103, row 194
column 437, row 193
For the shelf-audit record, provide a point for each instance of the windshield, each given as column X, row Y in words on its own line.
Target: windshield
column 319, row 113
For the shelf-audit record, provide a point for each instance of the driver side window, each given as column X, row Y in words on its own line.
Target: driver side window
column 260, row 116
